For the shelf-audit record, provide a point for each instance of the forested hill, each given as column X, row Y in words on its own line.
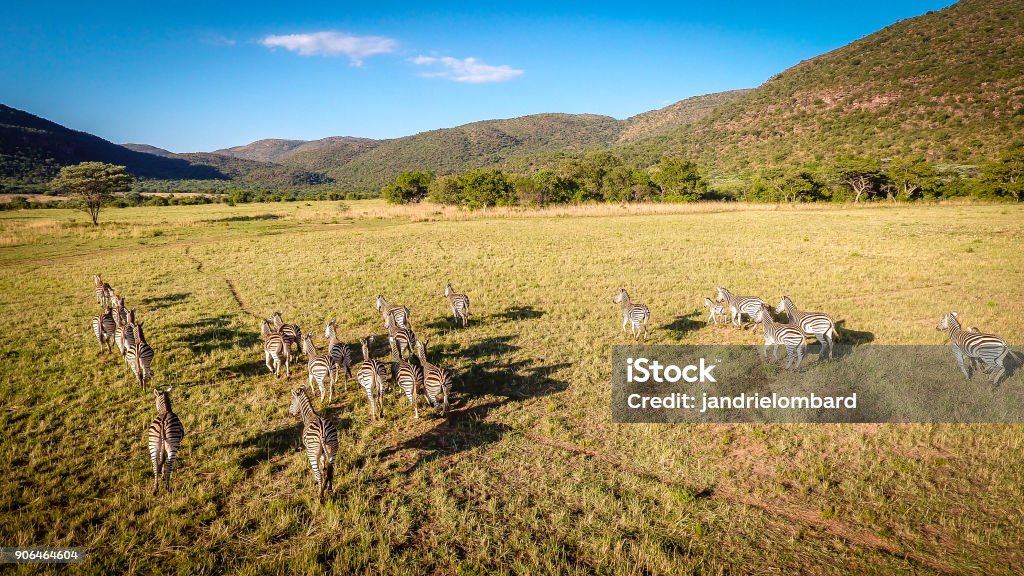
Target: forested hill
column 947, row 85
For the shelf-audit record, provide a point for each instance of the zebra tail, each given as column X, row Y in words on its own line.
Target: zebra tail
column 835, row 333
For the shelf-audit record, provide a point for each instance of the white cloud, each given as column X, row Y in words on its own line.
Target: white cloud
column 468, row 70
column 330, row 43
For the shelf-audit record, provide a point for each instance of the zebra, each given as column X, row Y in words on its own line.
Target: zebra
column 275, row 348
column 716, row 311
column 405, row 338
column 816, row 324
column 120, row 312
column 291, row 333
column 787, row 335
column 408, row 376
column 140, row 356
column 988, row 349
column 104, row 328
column 322, row 369
column 393, row 314
column 338, row 350
column 319, row 438
column 103, row 291
column 739, row 305
column 165, row 434
column 635, row 315
column 459, row 304
column 436, row 380
column 372, row 376
column 124, row 337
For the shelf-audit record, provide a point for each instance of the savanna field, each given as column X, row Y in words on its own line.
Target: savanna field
column 527, row 474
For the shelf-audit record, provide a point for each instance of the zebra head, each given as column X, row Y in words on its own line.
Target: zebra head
column 139, row 336
column 265, row 329
column 163, row 400
column 381, row 302
column 721, row 294
column 621, row 296
column 784, row 305
column 277, row 319
column 299, row 402
column 307, row 345
column 330, row 329
column 365, row 343
column 448, row 289
column 421, row 350
column 129, row 316
column 761, row 315
column 948, row 322
column 708, row 302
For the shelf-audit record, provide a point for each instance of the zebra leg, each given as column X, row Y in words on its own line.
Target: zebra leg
column 625, row 320
column 960, row 361
column 156, row 453
column 168, row 464
column 314, row 458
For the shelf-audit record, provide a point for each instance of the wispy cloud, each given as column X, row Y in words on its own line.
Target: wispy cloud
column 217, row 39
column 330, row 43
column 468, row 70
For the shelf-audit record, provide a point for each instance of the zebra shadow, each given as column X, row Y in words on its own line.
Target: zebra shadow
column 515, row 314
column 216, row 333
column 269, row 444
column 848, row 340
column 682, row 325
column 156, row 302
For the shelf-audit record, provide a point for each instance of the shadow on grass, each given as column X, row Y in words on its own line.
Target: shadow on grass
column 682, row 325
column 514, row 313
column 164, row 301
column 245, row 218
column 254, row 367
column 269, row 444
column 848, row 339
column 216, row 333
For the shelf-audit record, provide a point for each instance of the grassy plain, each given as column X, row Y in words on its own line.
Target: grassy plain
column 528, row 474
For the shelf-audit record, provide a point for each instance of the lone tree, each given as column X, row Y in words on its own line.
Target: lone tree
column 408, row 187
column 861, row 175
column 92, row 183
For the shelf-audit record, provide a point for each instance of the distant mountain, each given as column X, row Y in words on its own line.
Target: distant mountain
column 276, row 150
column 32, row 150
column 254, row 172
column 147, row 149
column 948, row 85
column 674, row 116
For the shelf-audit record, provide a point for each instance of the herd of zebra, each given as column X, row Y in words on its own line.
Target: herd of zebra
column 412, row 372
column 118, row 324
column 319, row 435
column 972, row 348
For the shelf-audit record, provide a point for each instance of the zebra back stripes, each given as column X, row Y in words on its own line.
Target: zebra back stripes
column 739, row 305
column 104, row 329
column 817, row 324
column 319, row 439
column 634, row 315
column 393, row 314
column 291, row 333
column 405, row 338
column 275, row 349
column 322, row 369
column 338, row 350
column 140, row 357
column 372, row 376
column 408, row 376
column 988, row 349
column 436, row 380
column 459, row 304
column 786, row 335
column 165, row 434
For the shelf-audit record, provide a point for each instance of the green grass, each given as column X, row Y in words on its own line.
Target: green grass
column 528, row 474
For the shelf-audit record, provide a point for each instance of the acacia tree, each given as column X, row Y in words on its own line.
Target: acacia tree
column 861, row 175
column 907, row 176
column 679, row 180
column 92, row 183
column 408, row 187
column 1006, row 176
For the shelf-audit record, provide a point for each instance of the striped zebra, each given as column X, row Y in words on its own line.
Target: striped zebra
column 436, row 380
column 103, row 291
column 275, row 348
column 319, row 439
column 291, row 333
column 104, row 328
column 124, row 337
column 405, row 338
column 338, row 350
column 120, row 312
column 786, row 335
column 716, row 311
column 634, row 315
column 140, row 356
column 988, row 350
column 739, row 305
column 393, row 314
column 408, row 376
column 816, row 324
column 165, row 434
column 372, row 376
column 322, row 369
column 459, row 304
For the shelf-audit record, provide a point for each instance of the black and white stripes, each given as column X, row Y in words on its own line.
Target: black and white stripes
column 988, row 350
column 459, row 303
column 165, row 434
column 319, row 440
column 636, row 316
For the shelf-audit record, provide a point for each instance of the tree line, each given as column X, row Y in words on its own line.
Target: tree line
column 603, row 176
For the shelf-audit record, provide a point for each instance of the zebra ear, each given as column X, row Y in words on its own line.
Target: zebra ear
column 955, row 314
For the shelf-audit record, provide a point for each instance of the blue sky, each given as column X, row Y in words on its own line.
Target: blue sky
column 193, row 77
